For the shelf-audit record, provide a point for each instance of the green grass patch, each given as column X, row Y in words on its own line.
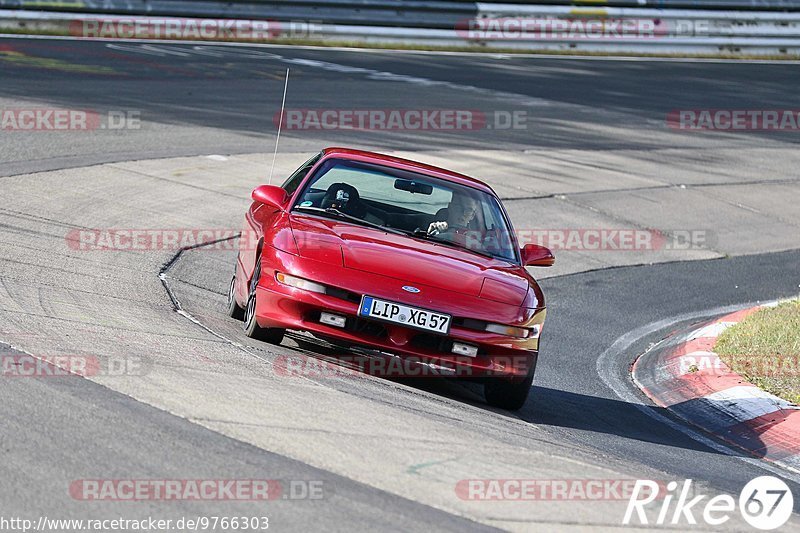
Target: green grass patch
column 765, row 349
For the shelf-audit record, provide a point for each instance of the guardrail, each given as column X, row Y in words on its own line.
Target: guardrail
column 665, row 23
column 727, row 5
column 519, row 27
column 409, row 14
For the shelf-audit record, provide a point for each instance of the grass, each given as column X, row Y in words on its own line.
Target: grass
column 765, row 349
column 434, row 48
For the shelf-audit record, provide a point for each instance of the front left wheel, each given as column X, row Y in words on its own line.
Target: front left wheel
column 505, row 394
column 234, row 309
column 251, row 327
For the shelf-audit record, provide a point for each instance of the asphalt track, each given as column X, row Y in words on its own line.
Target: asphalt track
column 216, row 99
column 584, row 411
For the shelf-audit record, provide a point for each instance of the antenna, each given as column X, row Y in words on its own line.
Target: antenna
column 280, row 123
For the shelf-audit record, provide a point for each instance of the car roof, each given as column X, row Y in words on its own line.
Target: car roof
column 407, row 164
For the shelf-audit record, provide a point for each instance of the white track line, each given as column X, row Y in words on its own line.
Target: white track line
column 622, row 388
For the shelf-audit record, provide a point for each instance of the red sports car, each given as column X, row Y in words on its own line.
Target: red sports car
column 395, row 258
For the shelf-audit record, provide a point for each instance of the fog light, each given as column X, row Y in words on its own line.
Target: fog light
column 465, row 349
column 299, row 283
column 332, row 320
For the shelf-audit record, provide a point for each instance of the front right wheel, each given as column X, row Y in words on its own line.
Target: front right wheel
column 251, row 327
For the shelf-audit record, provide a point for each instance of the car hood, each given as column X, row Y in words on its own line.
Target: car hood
column 412, row 261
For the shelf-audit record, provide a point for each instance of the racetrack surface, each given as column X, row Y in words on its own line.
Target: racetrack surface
column 211, row 403
column 214, row 99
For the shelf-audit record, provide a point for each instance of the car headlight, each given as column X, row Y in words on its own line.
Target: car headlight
column 299, row 283
column 513, row 331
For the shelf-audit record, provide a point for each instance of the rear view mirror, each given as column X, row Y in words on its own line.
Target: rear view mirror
column 413, row 187
column 535, row 255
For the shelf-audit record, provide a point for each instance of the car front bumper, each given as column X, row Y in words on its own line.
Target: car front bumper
column 279, row 305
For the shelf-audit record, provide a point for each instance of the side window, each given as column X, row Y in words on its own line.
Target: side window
column 291, row 184
column 489, row 216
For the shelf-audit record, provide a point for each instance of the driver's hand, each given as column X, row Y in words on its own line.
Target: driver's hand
column 437, row 227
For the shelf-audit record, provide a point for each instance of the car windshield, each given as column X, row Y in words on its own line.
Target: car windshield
column 420, row 206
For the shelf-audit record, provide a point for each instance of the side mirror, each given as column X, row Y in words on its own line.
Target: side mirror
column 270, row 195
column 535, row 255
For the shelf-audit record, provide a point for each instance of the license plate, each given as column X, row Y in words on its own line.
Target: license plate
column 396, row 313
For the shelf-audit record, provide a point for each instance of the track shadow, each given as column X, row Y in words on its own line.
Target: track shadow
column 611, row 416
column 558, row 408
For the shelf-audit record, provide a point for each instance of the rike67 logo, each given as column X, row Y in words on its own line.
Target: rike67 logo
column 765, row 503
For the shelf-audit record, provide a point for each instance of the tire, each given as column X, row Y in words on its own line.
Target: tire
column 507, row 394
column 251, row 327
column 234, row 310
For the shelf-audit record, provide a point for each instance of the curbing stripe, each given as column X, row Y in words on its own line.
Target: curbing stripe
column 690, row 380
column 747, row 402
column 777, row 432
column 711, row 330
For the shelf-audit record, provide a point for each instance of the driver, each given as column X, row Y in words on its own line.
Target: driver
column 458, row 215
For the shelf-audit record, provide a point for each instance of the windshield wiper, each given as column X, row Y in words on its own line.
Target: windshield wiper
column 350, row 218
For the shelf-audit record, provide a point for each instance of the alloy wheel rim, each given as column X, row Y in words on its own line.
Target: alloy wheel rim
column 230, row 291
column 251, row 309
